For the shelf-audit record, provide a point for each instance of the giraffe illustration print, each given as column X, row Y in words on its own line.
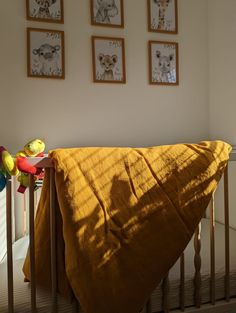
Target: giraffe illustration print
column 163, row 16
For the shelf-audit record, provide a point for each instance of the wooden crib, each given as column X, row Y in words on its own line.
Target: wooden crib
column 213, row 303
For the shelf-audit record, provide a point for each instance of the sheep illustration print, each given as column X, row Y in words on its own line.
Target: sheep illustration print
column 163, row 16
column 45, row 53
column 45, row 10
column 108, row 13
column 163, row 63
column 108, row 60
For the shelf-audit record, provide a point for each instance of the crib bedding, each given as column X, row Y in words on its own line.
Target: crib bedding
column 19, row 249
column 120, row 208
column 22, row 292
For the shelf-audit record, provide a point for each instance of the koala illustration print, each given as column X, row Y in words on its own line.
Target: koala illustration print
column 108, row 60
column 48, row 57
column 45, row 53
column 107, row 13
column 50, row 10
column 163, row 63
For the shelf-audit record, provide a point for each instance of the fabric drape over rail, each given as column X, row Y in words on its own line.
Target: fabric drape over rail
column 126, row 215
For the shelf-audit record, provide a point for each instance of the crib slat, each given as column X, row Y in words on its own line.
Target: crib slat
column 165, row 294
column 197, row 264
column 212, row 247
column 149, row 306
column 9, row 246
column 227, row 248
column 182, row 282
column 53, row 240
column 32, row 244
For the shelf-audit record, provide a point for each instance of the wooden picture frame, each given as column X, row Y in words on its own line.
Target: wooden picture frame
column 163, row 16
column 50, row 11
column 100, row 16
column 45, row 53
column 108, row 54
column 163, row 63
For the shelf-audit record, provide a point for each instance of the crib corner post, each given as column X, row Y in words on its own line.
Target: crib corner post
column 53, row 240
column 32, row 243
column 9, row 244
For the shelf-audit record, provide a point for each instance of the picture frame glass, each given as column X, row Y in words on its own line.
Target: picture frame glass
column 50, row 10
column 164, row 63
column 107, row 12
column 108, row 60
column 163, row 15
column 45, row 54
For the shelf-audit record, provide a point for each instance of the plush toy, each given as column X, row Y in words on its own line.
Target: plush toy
column 23, row 179
column 3, row 181
column 20, row 164
column 7, row 167
column 7, row 162
column 34, row 148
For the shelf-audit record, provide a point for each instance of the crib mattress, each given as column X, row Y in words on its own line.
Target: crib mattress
column 22, row 290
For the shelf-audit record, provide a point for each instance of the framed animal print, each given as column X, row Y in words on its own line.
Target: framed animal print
column 163, row 16
column 45, row 53
column 108, row 13
column 163, row 63
column 45, row 10
column 108, row 60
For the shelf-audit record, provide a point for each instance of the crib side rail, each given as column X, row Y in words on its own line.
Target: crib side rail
column 197, row 259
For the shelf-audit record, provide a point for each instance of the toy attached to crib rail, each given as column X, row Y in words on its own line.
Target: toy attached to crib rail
column 19, row 165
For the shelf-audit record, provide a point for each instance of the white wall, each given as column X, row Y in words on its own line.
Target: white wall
column 222, row 69
column 222, row 85
column 78, row 112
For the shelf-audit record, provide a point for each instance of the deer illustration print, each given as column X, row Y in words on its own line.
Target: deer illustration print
column 106, row 10
column 108, row 63
column 162, row 5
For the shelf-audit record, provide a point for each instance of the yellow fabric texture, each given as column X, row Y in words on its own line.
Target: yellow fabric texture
column 125, row 215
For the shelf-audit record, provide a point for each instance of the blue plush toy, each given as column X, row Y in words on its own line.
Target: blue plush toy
column 3, row 181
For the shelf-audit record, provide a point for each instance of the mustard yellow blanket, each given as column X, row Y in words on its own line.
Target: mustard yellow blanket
column 124, row 217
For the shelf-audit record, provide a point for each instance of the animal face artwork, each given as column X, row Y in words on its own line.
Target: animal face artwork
column 48, row 58
column 44, row 6
column 164, row 65
column 162, row 5
column 108, row 63
column 106, row 10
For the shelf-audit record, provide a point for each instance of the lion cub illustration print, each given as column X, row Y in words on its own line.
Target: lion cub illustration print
column 48, row 58
column 108, row 63
column 106, row 10
column 44, row 6
column 164, row 66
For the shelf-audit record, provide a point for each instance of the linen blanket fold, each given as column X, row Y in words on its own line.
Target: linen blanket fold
column 125, row 215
